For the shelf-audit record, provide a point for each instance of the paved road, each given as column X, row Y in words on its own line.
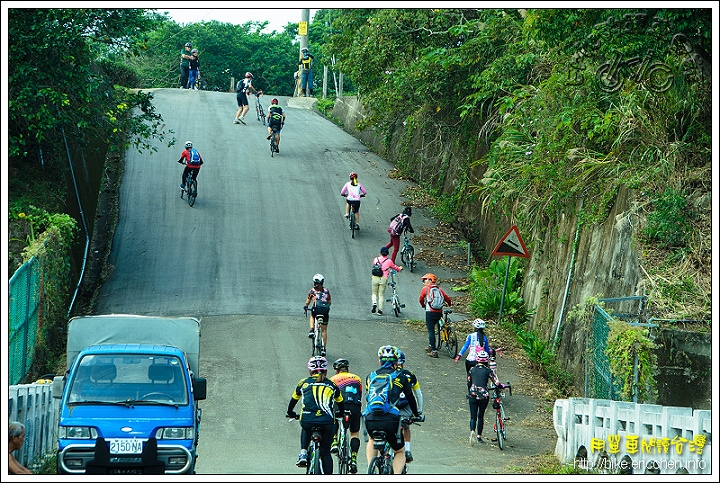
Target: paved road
column 242, row 259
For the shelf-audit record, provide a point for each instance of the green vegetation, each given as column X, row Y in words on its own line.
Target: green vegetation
column 624, row 344
column 670, row 222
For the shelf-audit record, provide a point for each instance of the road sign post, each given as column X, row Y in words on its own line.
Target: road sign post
column 511, row 245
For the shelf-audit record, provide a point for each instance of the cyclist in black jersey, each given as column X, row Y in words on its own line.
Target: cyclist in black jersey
column 403, row 405
column 276, row 119
column 351, row 387
column 317, row 393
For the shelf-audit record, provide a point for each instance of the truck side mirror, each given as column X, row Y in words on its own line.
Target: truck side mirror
column 199, row 388
column 58, row 385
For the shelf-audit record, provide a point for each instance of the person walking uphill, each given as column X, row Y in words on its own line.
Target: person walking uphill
column 474, row 342
column 433, row 298
column 185, row 57
column 398, row 224
column 381, row 269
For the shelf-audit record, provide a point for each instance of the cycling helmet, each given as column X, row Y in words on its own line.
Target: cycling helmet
column 274, row 100
column 194, row 50
column 317, row 364
column 188, row 144
column 429, row 276
column 248, row 74
column 387, row 353
column 353, row 175
column 318, row 278
column 481, row 357
column 304, row 49
column 400, row 356
column 478, row 323
column 341, row 363
column 188, row 44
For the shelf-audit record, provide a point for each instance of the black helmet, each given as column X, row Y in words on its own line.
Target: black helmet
column 341, row 363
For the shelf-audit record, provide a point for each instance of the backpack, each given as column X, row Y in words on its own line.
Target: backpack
column 377, row 270
column 320, row 303
column 378, row 394
column 396, row 225
column 435, row 298
column 194, row 157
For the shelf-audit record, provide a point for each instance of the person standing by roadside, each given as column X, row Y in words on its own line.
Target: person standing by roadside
column 380, row 279
column 306, row 77
column 16, row 439
column 185, row 56
column 433, row 314
column 395, row 230
column 194, row 70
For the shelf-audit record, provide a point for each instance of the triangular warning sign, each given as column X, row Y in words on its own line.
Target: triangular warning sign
column 511, row 245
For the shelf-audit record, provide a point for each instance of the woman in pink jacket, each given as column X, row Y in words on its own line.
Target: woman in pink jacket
column 379, row 282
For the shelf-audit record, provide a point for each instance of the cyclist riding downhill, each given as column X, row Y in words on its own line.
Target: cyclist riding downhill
column 319, row 297
column 382, row 395
column 317, row 393
column 403, row 405
column 192, row 160
column 351, row 387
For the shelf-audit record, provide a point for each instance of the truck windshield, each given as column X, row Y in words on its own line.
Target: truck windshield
column 140, row 377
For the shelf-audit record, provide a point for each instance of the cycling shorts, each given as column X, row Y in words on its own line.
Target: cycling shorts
column 391, row 425
column 275, row 122
column 242, row 99
column 355, row 416
column 324, row 311
column 355, row 204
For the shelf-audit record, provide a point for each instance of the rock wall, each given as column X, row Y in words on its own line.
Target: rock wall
column 605, row 263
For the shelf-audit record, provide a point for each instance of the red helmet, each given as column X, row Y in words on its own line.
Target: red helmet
column 248, row 74
column 353, row 175
column 274, row 100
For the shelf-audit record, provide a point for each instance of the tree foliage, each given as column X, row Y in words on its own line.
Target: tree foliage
column 66, row 78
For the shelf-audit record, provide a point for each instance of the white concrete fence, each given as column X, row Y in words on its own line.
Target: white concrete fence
column 620, row 437
column 34, row 406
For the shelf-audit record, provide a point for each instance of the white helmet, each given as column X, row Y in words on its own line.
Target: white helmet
column 478, row 323
column 188, row 144
column 318, row 278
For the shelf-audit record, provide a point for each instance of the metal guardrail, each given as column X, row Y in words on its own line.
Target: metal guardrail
column 34, row 406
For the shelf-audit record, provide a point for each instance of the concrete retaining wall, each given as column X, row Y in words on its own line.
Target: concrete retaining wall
column 621, row 437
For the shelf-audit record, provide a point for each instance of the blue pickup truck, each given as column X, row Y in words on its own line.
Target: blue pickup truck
column 129, row 397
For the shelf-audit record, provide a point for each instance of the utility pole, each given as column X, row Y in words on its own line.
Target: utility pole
column 303, row 30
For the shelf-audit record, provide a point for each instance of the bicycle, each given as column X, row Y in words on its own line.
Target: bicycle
column 190, row 188
column 407, row 253
column 394, row 298
column 353, row 225
column 382, row 464
column 259, row 109
column 314, row 462
column 500, row 417
column 273, row 142
column 318, row 349
column 343, row 442
column 446, row 334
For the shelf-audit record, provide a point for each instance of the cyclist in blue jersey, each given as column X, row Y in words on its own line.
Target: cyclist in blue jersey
column 351, row 387
column 317, row 393
column 475, row 341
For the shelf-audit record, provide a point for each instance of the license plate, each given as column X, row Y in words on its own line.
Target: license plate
column 125, row 446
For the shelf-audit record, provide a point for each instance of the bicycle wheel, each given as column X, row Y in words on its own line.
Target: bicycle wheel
column 352, row 222
column 272, row 145
column 438, row 336
column 451, row 344
column 410, row 257
column 504, row 420
column 499, row 430
column 263, row 119
column 192, row 192
column 376, row 466
column 396, row 306
column 343, row 453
